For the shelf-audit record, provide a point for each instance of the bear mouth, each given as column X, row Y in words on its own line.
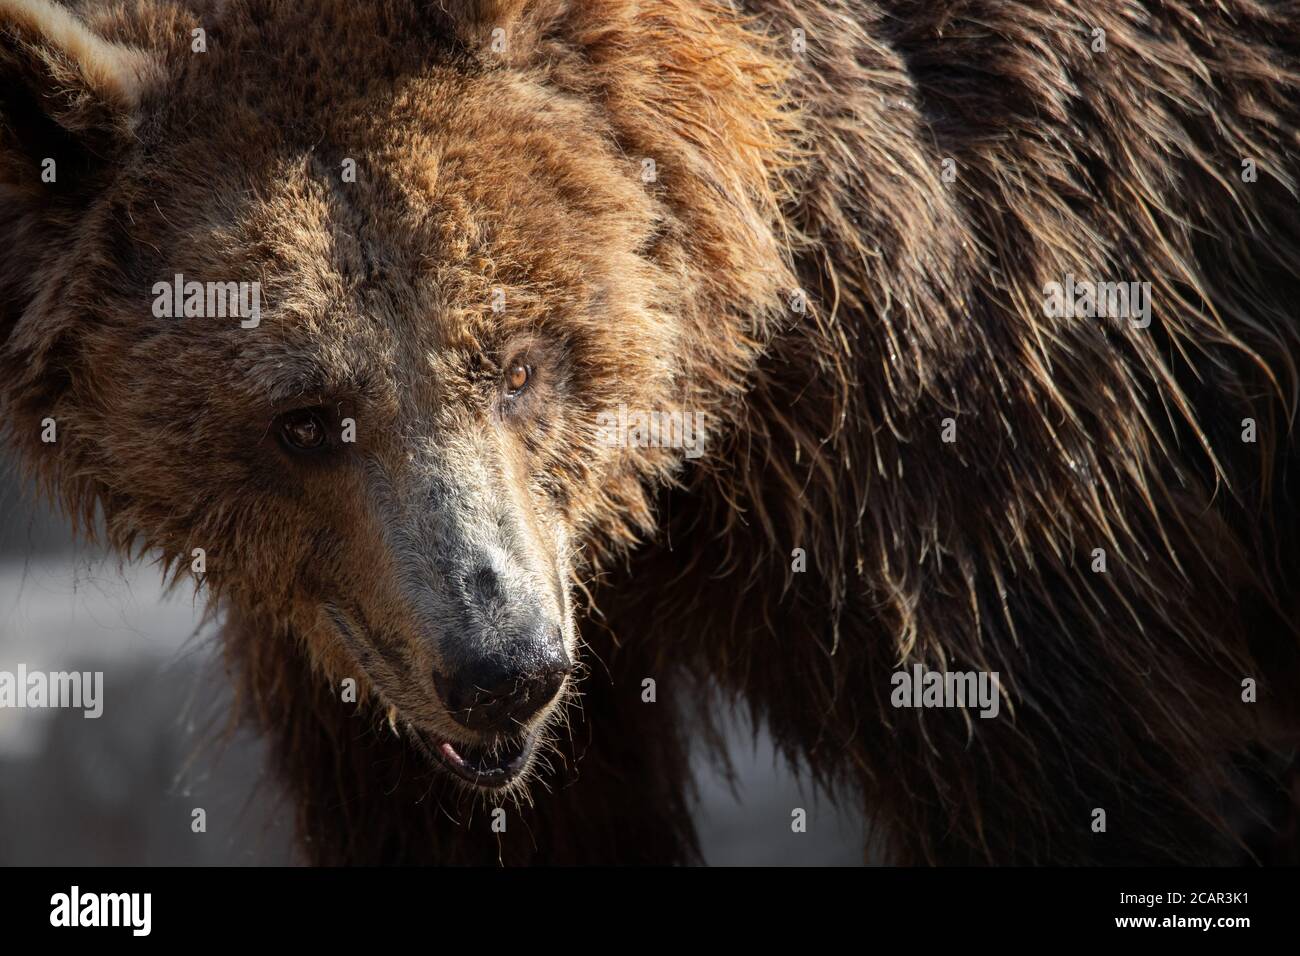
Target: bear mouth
column 490, row 766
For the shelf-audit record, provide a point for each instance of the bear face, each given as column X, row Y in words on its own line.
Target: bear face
column 437, row 336
column 358, row 354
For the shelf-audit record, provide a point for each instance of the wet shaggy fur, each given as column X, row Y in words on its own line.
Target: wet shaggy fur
column 778, row 169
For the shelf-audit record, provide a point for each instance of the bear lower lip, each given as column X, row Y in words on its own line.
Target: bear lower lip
column 488, row 766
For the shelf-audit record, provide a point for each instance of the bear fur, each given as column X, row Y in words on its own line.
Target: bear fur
column 840, row 259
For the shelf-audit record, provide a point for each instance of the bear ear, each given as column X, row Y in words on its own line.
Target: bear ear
column 68, row 97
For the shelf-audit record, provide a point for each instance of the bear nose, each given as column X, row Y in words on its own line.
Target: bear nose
column 496, row 695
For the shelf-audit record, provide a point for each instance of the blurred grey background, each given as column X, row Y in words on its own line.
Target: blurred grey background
column 119, row 790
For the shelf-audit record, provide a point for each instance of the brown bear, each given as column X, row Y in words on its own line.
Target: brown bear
column 516, row 374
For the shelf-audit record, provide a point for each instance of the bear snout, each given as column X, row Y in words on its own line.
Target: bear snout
column 499, row 693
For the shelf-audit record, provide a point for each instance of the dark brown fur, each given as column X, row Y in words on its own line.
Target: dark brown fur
column 779, row 171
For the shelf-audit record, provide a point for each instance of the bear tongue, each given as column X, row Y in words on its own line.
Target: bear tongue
column 449, row 753
column 486, row 761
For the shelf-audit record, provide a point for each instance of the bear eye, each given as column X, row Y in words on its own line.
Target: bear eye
column 517, row 376
column 303, row 429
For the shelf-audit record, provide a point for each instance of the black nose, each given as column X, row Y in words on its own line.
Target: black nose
column 494, row 694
